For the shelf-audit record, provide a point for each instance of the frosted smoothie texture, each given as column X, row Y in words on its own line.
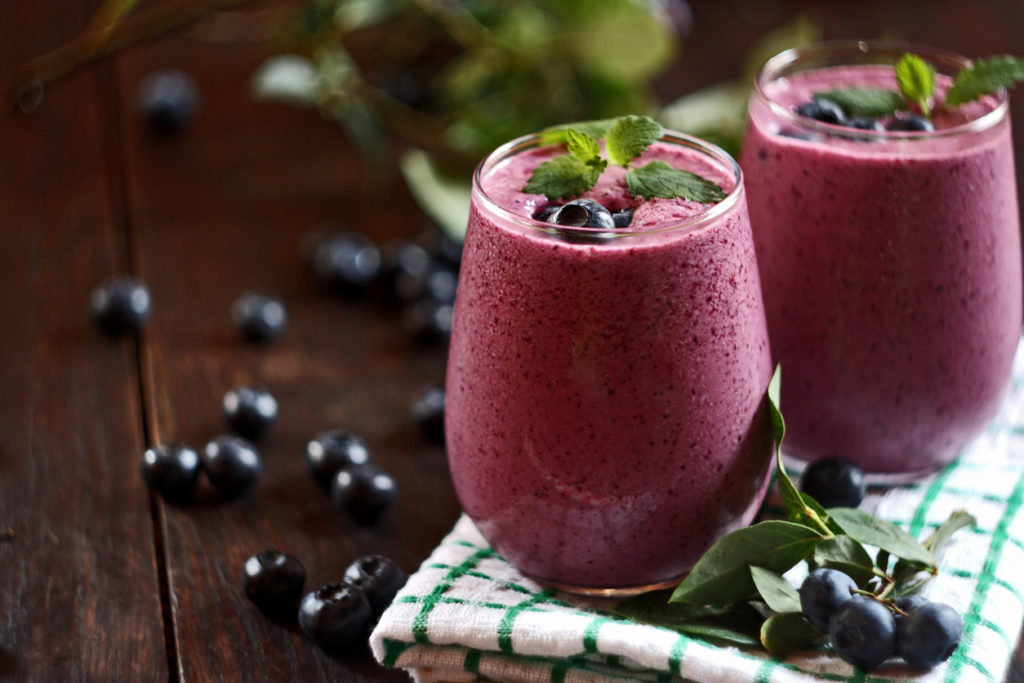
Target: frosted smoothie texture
column 890, row 264
column 605, row 412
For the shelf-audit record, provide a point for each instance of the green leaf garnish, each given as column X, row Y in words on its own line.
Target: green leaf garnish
column 629, row 137
column 916, row 79
column 722, row 574
column 848, row 556
column 866, row 528
column 775, row 590
column 789, row 632
column 562, row 177
column 871, row 102
column 984, row 76
column 658, row 179
column 626, row 138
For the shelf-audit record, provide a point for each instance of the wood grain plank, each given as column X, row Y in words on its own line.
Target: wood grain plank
column 217, row 211
column 80, row 596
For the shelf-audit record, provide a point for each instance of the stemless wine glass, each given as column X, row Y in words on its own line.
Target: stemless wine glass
column 606, row 418
column 890, row 262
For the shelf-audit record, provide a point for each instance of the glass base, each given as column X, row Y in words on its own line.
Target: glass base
column 619, row 592
column 795, row 467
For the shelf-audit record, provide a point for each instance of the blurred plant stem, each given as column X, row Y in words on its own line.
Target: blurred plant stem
column 110, row 30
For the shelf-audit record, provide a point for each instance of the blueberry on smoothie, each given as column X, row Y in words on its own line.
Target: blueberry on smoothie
column 623, row 218
column 582, row 213
column 865, row 123
column 821, row 109
column 911, row 123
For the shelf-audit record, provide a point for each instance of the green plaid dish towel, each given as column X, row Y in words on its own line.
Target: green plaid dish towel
column 468, row 615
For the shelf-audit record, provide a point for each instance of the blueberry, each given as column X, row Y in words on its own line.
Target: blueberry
column 404, row 271
column 169, row 100
column 121, row 304
column 379, row 578
column 427, row 410
column 364, row 492
column 582, row 213
column 834, row 482
column 232, row 464
column 172, row 469
column 863, row 632
column 545, row 211
column 249, row 410
column 623, row 218
column 824, row 110
column 273, row 581
column 908, row 604
column 335, row 615
column 259, row 316
column 865, row 123
column 347, row 262
column 821, row 594
column 332, row 451
column 441, row 284
column 911, row 123
column 428, row 321
column 929, row 634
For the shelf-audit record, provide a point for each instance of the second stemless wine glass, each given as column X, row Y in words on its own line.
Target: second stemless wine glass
column 605, row 412
column 890, row 262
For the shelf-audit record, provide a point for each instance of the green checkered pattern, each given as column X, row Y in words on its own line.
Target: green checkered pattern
column 468, row 615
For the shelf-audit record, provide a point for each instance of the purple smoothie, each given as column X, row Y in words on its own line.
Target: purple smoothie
column 891, row 271
column 605, row 415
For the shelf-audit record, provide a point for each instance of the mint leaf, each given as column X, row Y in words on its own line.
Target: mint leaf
column 722, row 574
column 870, row 102
column 560, row 134
column 984, row 76
column 776, row 591
column 629, row 137
column 658, row 179
column 782, row 634
column 871, row 530
column 916, row 79
column 562, row 177
column 582, row 146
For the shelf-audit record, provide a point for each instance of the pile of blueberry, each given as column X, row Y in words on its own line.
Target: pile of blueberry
column 825, row 110
column 334, row 616
column 865, row 630
column 340, row 462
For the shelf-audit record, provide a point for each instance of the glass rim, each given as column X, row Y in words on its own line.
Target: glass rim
column 811, row 54
column 535, row 140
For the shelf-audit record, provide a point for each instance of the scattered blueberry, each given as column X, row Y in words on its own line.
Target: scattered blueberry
column 822, row 593
column 824, row 110
column 911, row 123
column 404, row 269
column 428, row 321
column 348, row 262
column 834, row 482
column 335, row 615
column 441, row 284
column 273, row 581
column 232, row 464
column 582, row 213
column 172, row 469
column 379, row 578
column 364, row 492
column 427, row 409
column 908, row 604
column 929, row 634
column 121, row 304
column 249, row 410
column 863, row 632
column 259, row 316
column 169, row 100
column 332, row 451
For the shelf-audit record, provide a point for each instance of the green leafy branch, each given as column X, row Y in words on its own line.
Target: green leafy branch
column 743, row 571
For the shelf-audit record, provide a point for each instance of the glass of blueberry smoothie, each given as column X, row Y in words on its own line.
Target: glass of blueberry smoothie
column 606, row 418
column 889, row 250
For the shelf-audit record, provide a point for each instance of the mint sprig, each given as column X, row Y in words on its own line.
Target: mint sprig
column 915, row 78
column 626, row 138
column 744, row 569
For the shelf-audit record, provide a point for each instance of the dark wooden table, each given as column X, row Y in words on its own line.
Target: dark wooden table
column 99, row 579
